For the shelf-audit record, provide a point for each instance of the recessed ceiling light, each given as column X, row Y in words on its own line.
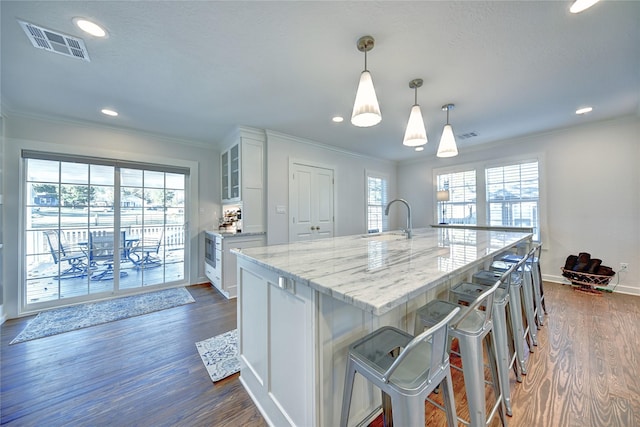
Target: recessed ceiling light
column 338, row 119
column 109, row 112
column 580, row 5
column 90, row 27
column 584, row 110
column 419, row 148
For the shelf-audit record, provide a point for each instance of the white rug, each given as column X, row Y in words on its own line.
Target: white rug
column 220, row 355
column 67, row 319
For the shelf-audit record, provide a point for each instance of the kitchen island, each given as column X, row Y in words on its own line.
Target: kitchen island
column 300, row 305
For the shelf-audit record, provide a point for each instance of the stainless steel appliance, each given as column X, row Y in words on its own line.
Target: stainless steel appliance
column 213, row 258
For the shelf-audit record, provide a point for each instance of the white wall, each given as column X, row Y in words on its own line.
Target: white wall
column 589, row 178
column 349, row 188
column 590, row 192
column 91, row 140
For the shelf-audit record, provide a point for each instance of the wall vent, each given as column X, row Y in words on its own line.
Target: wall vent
column 55, row 41
column 467, row 135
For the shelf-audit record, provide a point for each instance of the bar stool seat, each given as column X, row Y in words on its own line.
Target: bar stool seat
column 472, row 328
column 405, row 368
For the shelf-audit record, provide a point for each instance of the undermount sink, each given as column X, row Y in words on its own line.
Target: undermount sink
column 385, row 236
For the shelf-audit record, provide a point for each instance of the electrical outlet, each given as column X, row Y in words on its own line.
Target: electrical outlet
column 623, row 267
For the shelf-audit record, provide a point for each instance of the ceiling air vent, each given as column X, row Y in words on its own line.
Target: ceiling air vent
column 55, row 41
column 467, row 135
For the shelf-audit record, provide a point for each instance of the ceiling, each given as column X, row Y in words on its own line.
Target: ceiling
column 194, row 70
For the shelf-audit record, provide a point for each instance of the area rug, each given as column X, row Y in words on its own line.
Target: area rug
column 67, row 319
column 220, row 355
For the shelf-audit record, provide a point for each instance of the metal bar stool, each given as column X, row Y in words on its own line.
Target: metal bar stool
column 467, row 293
column 472, row 327
column 536, row 273
column 520, row 332
column 538, row 290
column 405, row 368
column 527, row 299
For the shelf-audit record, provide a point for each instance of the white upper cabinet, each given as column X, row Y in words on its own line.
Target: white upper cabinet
column 230, row 168
column 242, row 177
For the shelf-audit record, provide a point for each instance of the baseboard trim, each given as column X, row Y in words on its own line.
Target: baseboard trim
column 622, row 289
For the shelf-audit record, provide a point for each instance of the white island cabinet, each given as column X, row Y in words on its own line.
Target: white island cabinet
column 300, row 305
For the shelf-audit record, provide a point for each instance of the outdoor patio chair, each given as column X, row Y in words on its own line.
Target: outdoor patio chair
column 62, row 252
column 101, row 254
column 145, row 252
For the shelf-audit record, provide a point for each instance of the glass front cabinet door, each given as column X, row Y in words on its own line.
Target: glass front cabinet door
column 234, row 172
column 225, row 175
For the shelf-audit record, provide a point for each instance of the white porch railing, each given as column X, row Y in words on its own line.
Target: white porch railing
column 38, row 249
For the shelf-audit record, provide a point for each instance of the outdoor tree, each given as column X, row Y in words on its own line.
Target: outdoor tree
column 76, row 195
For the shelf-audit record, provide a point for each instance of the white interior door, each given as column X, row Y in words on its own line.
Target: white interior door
column 311, row 202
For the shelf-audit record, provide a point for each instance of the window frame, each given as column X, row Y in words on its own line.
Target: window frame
column 449, row 204
column 482, row 204
column 536, row 227
column 385, row 199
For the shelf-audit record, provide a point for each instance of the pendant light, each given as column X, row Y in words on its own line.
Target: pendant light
column 580, row 5
column 415, row 135
column 447, row 147
column 366, row 111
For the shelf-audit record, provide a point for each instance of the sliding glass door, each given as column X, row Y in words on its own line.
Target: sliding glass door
column 152, row 213
column 94, row 227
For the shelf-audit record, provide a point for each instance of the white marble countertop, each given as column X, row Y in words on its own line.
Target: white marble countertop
column 381, row 271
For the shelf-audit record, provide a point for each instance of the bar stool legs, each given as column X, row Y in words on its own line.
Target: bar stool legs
column 529, row 309
column 473, row 372
column 538, row 290
column 466, row 293
column 502, row 352
column 519, row 333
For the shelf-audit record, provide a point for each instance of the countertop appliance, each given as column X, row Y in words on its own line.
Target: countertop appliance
column 231, row 220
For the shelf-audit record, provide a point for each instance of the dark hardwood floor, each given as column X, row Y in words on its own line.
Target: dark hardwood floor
column 141, row 371
column 145, row 371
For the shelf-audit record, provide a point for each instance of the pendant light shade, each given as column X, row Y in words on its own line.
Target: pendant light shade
column 447, row 147
column 366, row 111
column 580, row 5
column 415, row 134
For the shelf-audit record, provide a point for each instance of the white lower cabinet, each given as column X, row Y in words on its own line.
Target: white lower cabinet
column 276, row 322
column 213, row 275
column 223, row 275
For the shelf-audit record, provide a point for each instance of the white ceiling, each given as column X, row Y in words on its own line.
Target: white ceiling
column 196, row 69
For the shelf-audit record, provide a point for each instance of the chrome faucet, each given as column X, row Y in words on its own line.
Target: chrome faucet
column 386, row 212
